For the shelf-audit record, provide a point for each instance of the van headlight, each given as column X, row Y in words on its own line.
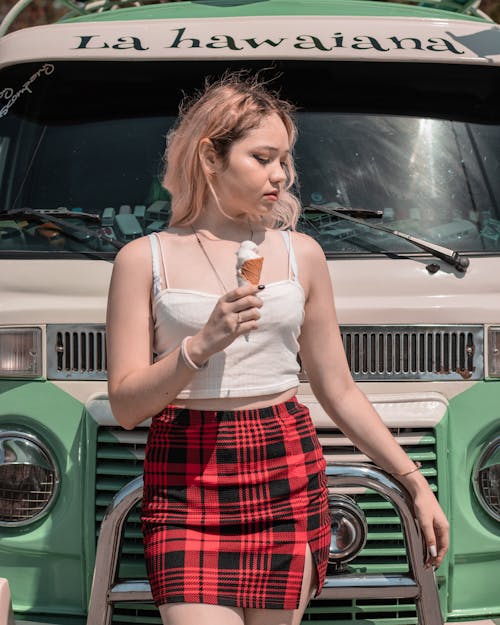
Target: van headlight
column 486, row 478
column 20, row 352
column 29, row 479
column 349, row 530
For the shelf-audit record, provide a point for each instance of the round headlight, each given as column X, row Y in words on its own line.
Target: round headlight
column 349, row 530
column 486, row 478
column 28, row 479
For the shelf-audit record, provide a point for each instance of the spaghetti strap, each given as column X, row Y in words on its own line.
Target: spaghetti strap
column 160, row 247
column 153, row 241
column 293, row 270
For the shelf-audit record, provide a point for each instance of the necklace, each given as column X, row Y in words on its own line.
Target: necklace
column 216, row 273
column 215, row 239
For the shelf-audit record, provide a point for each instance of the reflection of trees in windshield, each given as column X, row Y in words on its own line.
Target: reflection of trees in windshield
column 424, row 174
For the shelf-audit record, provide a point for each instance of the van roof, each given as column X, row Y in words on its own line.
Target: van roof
column 246, row 8
column 258, row 29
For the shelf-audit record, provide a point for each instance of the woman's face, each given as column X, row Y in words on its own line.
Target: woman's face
column 251, row 182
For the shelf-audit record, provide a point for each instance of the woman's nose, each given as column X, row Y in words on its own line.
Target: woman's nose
column 278, row 174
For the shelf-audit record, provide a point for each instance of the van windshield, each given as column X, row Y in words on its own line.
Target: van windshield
column 89, row 149
column 435, row 179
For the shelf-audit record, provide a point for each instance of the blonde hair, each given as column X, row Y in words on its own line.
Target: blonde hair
column 224, row 112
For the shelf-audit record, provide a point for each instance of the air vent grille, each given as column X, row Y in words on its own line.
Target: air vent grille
column 76, row 352
column 419, row 352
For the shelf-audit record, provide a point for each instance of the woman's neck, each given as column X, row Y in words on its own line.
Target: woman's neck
column 217, row 226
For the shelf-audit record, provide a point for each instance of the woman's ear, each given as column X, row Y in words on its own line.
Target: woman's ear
column 208, row 157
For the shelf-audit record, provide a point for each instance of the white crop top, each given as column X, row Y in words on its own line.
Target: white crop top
column 265, row 363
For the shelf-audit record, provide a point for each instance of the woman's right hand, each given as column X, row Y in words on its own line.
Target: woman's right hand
column 236, row 313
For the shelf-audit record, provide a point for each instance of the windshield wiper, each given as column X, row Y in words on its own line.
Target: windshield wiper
column 79, row 233
column 347, row 210
column 451, row 257
column 20, row 213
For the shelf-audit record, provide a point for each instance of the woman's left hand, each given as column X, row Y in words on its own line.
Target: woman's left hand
column 432, row 520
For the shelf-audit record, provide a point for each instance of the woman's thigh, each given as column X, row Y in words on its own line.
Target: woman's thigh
column 288, row 617
column 200, row 614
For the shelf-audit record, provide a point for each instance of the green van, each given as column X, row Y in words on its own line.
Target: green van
column 399, row 167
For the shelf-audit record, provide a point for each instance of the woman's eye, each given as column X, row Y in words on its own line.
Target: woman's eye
column 261, row 159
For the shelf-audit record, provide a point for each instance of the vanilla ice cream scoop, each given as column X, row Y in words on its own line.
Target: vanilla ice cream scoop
column 248, row 264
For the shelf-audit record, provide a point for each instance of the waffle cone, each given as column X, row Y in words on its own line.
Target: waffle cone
column 251, row 269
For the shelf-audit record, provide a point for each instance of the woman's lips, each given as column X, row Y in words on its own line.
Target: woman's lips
column 271, row 196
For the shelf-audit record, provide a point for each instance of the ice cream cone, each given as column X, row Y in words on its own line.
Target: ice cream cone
column 248, row 266
column 249, row 263
column 251, row 269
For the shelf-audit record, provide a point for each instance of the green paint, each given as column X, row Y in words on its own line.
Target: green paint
column 90, row 539
column 247, row 8
column 474, row 419
column 43, row 562
column 443, row 492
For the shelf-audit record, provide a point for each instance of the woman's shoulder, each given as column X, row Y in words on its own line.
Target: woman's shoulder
column 306, row 247
column 132, row 270
column 134, row 261
column 140, row 250
column 137, row 249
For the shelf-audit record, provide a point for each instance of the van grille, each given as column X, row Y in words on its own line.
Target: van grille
column 120, row 456
column 414, row 353
column 77, row 352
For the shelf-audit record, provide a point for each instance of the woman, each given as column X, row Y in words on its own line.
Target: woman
column 235, row 510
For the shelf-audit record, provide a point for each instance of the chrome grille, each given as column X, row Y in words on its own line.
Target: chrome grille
column 120, row 456
column 414, row 353
column 76, row 352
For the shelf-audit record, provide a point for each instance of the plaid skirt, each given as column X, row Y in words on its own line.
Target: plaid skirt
column 231, row 498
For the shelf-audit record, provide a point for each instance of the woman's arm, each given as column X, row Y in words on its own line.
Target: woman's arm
column 323, row 357
column 138, row 388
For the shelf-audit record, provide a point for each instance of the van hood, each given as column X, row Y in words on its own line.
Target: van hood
column 375, row 291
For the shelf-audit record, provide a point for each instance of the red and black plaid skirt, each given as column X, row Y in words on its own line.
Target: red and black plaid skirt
column 231, row 498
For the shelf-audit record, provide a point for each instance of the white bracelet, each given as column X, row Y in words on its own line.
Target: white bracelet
column 186, row 358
